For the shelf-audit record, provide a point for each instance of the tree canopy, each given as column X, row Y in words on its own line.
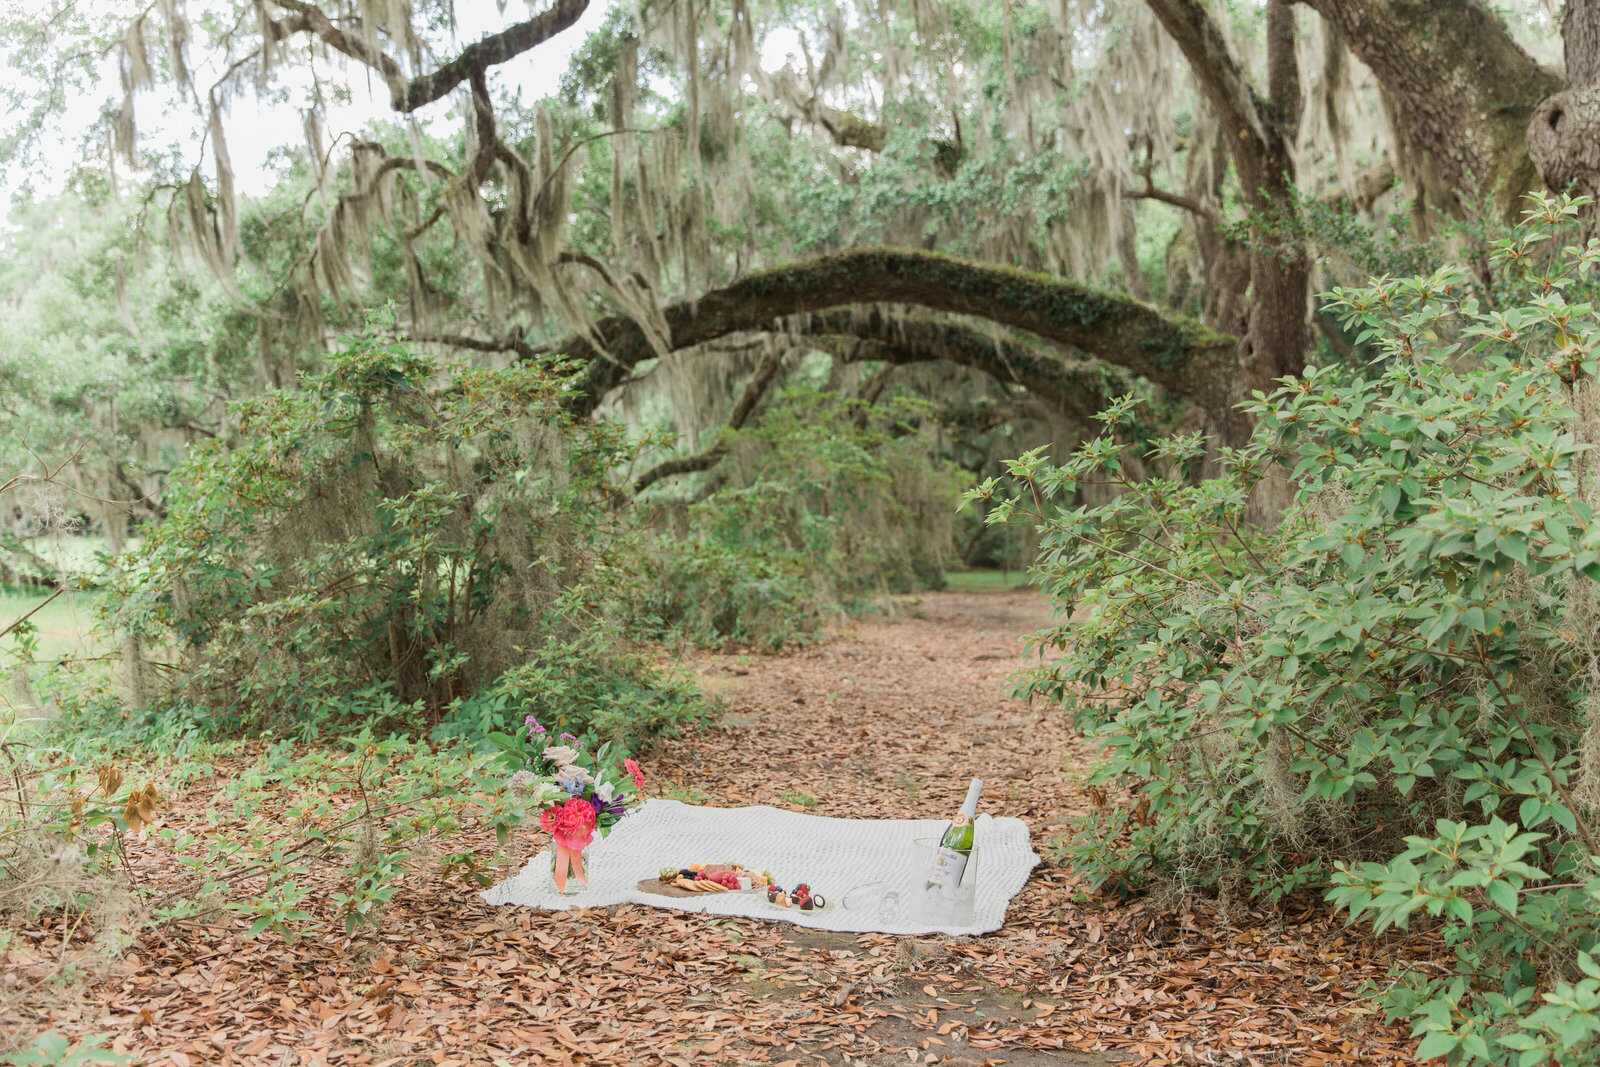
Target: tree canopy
column 1199, row 159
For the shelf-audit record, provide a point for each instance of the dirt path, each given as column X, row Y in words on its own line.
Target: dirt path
column 889, row 720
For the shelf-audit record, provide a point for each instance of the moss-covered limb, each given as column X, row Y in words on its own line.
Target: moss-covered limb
column 1463, row 87
column 313, row 18
column 1184, row 356
column 34, row 568
column 513, row 343
column 846, row 128
column 700, row 461
column 1075, row 388
column 853, row 131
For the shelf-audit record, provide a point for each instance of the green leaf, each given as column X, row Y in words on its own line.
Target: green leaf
column 1502, row 895
column 1436, row 1043
column 1531, row 812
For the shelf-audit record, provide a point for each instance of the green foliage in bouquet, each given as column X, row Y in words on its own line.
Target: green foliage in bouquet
column 1394, row 695
column 561, row 773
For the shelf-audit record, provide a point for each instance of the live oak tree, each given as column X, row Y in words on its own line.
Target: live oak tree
column 955, row 183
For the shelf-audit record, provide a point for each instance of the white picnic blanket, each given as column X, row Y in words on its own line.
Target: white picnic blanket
column 831, row 855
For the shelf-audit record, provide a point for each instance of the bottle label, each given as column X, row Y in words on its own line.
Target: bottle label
column 959, row 821
column 948, row 866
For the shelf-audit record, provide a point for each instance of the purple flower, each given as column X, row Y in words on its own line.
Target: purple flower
column 567, row 737
column 615, row 806
column 533, row 726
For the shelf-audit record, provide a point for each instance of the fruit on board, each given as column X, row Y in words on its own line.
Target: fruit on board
column 727, row 875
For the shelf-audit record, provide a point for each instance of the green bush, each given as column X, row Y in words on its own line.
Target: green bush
column 593, row 682
column 1392, row 695
column 387, row 541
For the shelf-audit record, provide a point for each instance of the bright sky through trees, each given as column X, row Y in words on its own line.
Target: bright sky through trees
column 257, row 126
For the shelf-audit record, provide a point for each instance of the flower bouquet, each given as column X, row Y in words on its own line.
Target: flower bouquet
column 580, row 792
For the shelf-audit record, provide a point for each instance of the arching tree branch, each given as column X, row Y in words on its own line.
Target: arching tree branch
column 511, row 343
column 1184, row 356
column 1177, row 200
column 491, row 51
column 1077, row 388
column 317, row 21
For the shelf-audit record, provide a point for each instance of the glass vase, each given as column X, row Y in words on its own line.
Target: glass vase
column 574, row 883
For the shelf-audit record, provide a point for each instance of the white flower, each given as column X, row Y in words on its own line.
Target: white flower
column 548, row 793
column 521, row 780
column 605, row 791
column 561, row 755
column 572, row 771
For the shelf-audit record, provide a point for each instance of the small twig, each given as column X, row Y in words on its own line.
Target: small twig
column 37, row 608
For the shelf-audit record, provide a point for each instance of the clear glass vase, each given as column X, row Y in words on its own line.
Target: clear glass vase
column 574, row 883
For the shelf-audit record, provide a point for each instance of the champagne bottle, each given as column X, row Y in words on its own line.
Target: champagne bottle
column 950, row 862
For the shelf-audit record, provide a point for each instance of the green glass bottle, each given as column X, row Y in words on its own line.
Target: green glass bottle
column 950, row 862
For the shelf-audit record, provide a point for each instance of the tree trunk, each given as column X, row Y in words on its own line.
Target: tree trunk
column 1280, row 274
column 1564, row 133
column 1260, row 136
column 1224, row 260
column 1461, row 88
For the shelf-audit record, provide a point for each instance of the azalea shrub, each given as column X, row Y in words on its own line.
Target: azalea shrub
column 384, row 544
column 1392, row 696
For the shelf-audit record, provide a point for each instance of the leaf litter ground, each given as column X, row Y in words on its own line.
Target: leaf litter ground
column 889, row 720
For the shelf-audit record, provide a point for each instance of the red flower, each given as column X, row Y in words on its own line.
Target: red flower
column 633, row 769
column 571, row 824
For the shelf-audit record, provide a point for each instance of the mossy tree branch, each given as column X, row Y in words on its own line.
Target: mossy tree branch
column 1185, row 357
column 1077, row 388
column 491, row 51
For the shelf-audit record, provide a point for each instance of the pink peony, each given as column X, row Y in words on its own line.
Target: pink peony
column 633, row 769
column 571, row 824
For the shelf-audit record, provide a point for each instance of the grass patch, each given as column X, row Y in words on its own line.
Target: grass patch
column 984, row 581
column 63, row 626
